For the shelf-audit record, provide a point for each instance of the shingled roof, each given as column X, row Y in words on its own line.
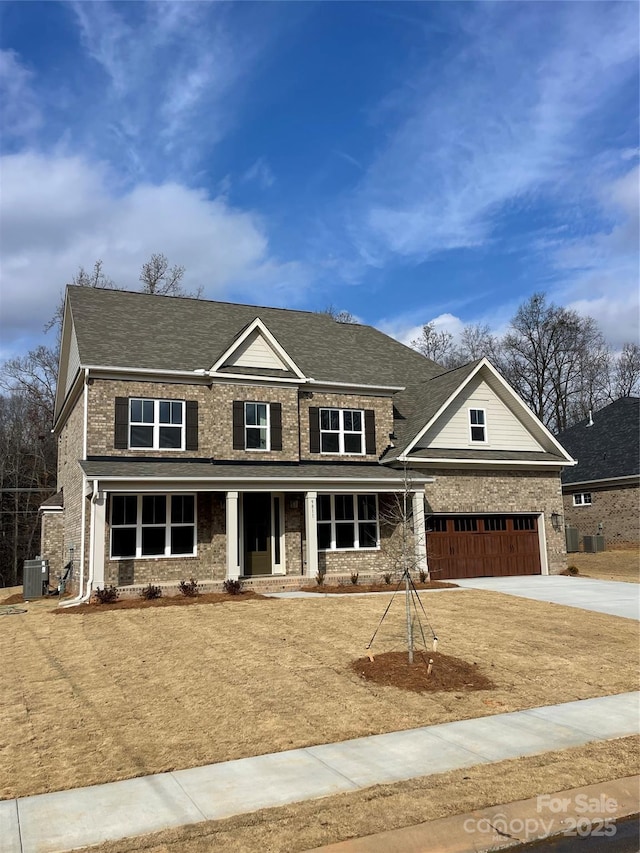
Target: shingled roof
column 607, row 449
column 116, row 328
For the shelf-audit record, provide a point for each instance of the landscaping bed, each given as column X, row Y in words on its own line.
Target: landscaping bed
column 130, row 603
column 347, row 588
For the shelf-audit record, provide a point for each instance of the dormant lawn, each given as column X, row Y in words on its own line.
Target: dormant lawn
column 95, row 697
column 618, row 565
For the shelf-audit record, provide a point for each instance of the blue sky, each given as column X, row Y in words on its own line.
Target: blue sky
column 407, row 162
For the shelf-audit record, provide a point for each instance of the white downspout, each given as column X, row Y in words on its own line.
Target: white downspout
column 92, row 524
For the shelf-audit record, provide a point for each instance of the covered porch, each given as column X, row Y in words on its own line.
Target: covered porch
column 153, row 522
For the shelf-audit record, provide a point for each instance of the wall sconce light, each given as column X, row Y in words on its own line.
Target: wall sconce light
column 293, row 503
column 556, row 521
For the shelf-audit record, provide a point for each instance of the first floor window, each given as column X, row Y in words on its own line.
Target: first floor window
column 156, row 424
column 347, row 521
column 477, row 425
column 152, row 525
column 582, row 499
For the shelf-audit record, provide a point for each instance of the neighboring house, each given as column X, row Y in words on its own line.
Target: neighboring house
column 602, row 492
column 213, row 440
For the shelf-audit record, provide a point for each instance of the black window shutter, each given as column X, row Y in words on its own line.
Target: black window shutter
column 314, row 429
column 370, row 431
column 276, row 426
column 192, row 425
column 238, row 425
column 121, row 430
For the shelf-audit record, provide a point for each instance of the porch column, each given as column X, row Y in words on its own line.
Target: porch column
column 233, row 561
column 419, row 532
column 98, row 518
column 311, row 532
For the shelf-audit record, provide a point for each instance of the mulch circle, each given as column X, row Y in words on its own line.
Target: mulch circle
column 346, row 589
column 448, row 673
column 168, row 601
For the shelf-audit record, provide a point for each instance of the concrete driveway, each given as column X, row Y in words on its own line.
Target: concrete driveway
column 612, row 597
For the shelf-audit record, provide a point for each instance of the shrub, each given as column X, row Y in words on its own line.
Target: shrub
column 387, row 577
column 354, row 578
column 232, row 586
column 189, row 588
column 150, row 592
column 423, row 576
column 573, row 570
column 320, row 578
column 107, row 595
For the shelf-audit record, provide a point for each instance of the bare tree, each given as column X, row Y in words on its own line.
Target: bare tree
column 27, row 476
column 339, row 316
column 545, row 356
column 435, row 345
column 626, row 372
column 159, row 278
column 476, row 341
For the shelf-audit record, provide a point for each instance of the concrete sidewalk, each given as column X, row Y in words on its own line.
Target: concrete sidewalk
column 612, row 597
column 64, row 820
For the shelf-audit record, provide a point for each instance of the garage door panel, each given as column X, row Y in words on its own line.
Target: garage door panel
column 480, row 546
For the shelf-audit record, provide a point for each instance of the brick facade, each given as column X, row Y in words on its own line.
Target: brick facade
column 215, row 422
column 617, row 508
column 52, row 542
column 71, row 480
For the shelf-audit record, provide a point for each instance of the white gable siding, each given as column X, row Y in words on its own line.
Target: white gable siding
column 73, row 363
column 504, row 430
column 256, row 352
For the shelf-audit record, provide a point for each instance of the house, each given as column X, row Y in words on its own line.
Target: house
column 215, row 440
column 601, row 493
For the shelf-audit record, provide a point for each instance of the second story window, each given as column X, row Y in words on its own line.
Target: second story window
column 342, row 431
column 256, row 426
column 478, row 426
column 156, row 424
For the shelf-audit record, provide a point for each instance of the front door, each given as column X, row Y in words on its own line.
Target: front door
column 257, row 533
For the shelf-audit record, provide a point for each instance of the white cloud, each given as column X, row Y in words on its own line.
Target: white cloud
column 260, row 172
column 20, row 113
column 601, row 271
column 171, row 83
column 498, row 120
column 59, row 213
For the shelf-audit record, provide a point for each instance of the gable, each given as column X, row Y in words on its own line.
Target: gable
column 505, row 431
column 454, row 391
column 255, row 351
column 256, row 348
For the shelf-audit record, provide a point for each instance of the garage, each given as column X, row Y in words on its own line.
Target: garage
column 474, row 546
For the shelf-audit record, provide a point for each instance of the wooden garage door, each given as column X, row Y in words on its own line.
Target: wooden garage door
column 474, row 546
